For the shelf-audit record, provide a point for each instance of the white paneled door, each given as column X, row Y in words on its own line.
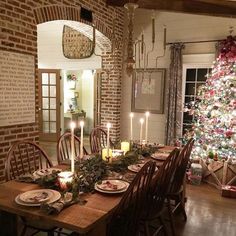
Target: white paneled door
column 49, row 104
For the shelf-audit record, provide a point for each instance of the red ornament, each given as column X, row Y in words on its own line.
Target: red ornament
column 229, row 133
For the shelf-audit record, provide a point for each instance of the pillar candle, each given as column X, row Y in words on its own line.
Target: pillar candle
column 108, row 137
column 131, row 126
column 81, row 139
column 141, row 130
column 72, row 126
column 104, row 154
column 125, row 146
column 146, row 129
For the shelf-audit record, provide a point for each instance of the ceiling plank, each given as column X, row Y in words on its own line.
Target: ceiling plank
column 205, row 7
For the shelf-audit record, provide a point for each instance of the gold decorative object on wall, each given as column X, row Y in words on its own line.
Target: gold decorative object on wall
column 76, row 45
column 137, row 55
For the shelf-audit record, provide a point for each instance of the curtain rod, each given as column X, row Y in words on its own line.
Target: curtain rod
column 203, row 41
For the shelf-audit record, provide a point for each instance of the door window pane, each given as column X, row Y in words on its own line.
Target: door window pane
column 45, row 103
column 52, row 127
column 201, row 74
column 44, row 78
column 52, row 78
column 52, row 115
column 52, row 103
column 199, row 84
column 191, row 75
column 190, row 89
column 45, row 91
column 53, row 91
column 45, row 115
column 46, row 127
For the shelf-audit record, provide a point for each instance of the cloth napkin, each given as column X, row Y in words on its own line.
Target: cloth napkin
column 66, row 201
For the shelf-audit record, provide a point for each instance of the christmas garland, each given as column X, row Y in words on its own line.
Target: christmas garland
column 89, row 172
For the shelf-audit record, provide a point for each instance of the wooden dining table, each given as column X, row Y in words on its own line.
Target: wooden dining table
column 89, row 219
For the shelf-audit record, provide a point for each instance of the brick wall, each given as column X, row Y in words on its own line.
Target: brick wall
column 18, row 32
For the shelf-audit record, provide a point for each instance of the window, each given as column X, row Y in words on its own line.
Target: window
column 194, row 77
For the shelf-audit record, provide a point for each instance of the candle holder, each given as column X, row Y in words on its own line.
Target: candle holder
column 108, row 159
column 106, row 154
column 65, row 179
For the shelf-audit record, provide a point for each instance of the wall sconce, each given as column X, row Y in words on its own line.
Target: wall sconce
column 137, row 55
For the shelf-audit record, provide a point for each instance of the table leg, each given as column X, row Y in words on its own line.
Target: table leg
column 8, row 224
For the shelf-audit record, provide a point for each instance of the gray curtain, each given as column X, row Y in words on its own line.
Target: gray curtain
column 174, row 95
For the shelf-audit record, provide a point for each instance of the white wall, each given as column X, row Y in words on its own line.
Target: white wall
column 87, row 78
column 180, row 28
column 50, row 53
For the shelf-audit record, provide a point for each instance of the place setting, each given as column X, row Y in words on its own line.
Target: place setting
column 160, row 156
column 135, row 167
column 37, row 175
column 111, row 186
column 37, row 197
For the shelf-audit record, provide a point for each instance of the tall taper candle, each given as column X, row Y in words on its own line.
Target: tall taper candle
column 72, row 126
column 108, row 138
column 146, row 130
column 81, row 139
column 141, row 130
column 131, row 126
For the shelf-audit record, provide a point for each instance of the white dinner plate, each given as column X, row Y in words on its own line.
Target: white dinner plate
column 136, row 167
column 36, row 196
column 160, row 156
column 110, row 191
column 160, row 145
column 55, row 196
column 112, row 185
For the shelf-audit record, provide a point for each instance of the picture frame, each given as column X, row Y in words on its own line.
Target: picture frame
column 148, row 86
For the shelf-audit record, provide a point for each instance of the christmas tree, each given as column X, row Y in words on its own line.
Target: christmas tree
column 214, row 110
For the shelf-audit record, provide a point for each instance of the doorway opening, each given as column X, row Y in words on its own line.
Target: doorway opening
column 78, row 95
column 78, row 99
column 79, row 87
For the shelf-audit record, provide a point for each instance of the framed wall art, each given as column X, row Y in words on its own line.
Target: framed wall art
column 17, row 88
column 148, row 87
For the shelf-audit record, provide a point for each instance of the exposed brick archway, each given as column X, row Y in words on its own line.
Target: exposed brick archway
column 71, row 13
column 111, row 85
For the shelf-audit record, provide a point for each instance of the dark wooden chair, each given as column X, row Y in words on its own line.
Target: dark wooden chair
column 176, row 192
column 64, row 147
column 25, row 157
column 155, row 204
column 126, row 218
column 98, row 140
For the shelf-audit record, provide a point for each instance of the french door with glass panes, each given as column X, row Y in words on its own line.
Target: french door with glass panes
column 49, row 104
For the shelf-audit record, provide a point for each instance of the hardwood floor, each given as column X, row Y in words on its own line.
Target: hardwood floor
column 208, row 213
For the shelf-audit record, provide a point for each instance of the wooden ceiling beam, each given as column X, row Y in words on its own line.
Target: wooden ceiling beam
column 204, row 7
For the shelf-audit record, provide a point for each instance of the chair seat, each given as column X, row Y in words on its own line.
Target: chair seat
column 39, row 225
